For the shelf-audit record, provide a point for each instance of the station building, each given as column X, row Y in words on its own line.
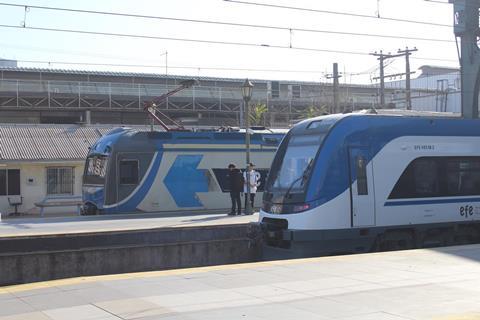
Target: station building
column 41, row 163
column 32, row 95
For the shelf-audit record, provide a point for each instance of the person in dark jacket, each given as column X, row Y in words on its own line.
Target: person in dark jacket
column 235, row 180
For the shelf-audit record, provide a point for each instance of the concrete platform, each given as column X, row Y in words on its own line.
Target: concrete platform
column 19, row 227
column 441, row 283
column 47, row 249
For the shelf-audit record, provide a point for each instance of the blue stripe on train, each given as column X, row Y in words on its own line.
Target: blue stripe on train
column 430, row 201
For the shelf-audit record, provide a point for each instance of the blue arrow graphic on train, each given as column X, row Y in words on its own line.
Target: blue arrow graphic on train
column 184, row 180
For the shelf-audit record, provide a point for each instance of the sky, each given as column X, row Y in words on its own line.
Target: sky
column 262, row 59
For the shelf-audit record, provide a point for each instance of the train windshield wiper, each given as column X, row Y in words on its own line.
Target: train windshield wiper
column 302, row 177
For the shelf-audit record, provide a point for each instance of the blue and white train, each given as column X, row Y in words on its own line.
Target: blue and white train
column 362, row 182
column 130, row 171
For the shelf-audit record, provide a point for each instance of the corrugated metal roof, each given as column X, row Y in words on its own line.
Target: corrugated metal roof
column 169, row 77
column 24, row 142
column 128, row 74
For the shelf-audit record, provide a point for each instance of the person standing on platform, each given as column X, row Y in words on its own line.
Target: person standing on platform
column 235, row 181
column 252, row 177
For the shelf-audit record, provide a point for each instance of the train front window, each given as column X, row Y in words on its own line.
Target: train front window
column 293, row 171
column 95, row 170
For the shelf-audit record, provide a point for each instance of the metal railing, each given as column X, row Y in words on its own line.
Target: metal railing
column 137, row 94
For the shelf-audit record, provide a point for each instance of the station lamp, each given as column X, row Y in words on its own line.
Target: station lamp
column 247, row 89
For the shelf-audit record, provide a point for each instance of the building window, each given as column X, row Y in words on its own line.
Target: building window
column 129, row 172
column 9, row 182
column 296, row 91
column 275, row 89
column 439, row 177
column 60, row 181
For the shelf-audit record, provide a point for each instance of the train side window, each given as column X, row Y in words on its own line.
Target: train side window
column 426, row 178
column 463, row 176
column 362, row 183
column 128, row 172
column 419, row 180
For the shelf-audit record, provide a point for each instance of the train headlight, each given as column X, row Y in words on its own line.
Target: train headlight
column 276, row 209
column 301, row 207
column 287, row 208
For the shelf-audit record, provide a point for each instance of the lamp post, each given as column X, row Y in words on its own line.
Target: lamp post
column 247, row 88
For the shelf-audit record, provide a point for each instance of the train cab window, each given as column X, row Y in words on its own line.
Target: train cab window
column 96, row 166
column 95, row 170
column 362, row 183
column 128, row 171
column 298, row 160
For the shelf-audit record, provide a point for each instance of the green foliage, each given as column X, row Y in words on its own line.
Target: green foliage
column 312, row 111
column 257, row 113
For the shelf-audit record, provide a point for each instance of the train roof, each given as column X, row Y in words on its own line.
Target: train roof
column 412, row 122
column 133, row 139
column 408, row 113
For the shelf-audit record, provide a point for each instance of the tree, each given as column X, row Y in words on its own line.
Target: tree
column 312, row 111
column 257, row 113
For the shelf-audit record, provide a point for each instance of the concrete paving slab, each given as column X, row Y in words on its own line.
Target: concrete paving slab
column 278, row 311
column 27, row 316
column 433, row 284
column 262, row 291
column 34, row 292
column 374, row 316
column 52, row 301
column 132, row 308
column 81, row 312
column 14, row 306
column 329, row 308
column 98, row 293
column 6, row 296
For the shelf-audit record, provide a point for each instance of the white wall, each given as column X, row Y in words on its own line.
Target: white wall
column 430, row 101
column 37, row 190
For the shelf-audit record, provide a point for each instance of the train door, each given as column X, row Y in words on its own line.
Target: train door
column 361, row 187
column 131, row 168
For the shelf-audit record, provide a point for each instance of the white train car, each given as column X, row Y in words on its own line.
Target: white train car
column 361, row 182
column 130, row 171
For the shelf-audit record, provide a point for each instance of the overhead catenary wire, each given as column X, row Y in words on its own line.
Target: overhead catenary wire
column 245, row 44
column 358, row 15
column 258, row 26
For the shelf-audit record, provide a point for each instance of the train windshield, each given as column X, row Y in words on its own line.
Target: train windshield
column 95, row 169
column 293, row 171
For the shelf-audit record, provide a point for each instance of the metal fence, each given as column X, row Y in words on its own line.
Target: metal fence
column 115, row 95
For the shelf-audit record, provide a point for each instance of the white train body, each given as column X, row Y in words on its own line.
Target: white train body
column 389, row 181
